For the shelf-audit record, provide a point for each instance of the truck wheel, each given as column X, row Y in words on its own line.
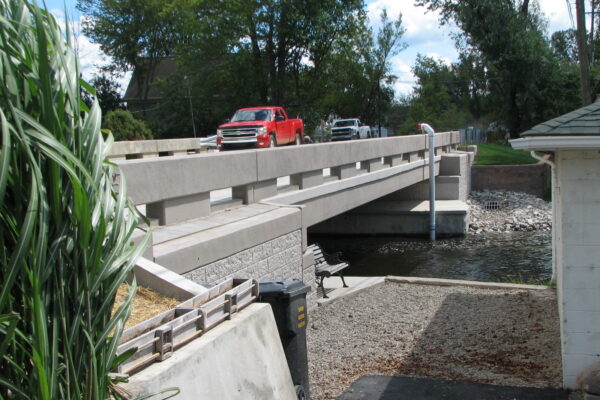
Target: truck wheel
column 272, row 141
column 298, row 140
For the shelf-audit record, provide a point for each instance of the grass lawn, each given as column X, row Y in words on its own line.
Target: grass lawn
column 497, row 154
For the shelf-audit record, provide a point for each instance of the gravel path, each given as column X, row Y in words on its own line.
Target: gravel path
column 497, row 336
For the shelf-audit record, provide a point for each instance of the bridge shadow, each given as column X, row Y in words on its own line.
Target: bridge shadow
column 502, row 338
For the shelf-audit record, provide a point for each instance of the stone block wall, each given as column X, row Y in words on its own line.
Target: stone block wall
column 533, row 178
column 277, row 259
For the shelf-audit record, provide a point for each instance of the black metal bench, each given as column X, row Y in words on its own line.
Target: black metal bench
column 323, row 268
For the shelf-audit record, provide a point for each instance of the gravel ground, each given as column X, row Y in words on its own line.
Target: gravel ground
column 516, row 212
column 496, row 336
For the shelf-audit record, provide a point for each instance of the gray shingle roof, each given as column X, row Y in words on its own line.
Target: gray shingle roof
column 584, row 121
column 165, row 67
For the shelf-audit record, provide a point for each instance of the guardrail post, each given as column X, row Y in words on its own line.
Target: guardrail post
column 178, row 153
column 254, row 192
column 308, row 179
column 179, row 209
column 415, row 156
column 395, row 160
column 373, row 164
column 164, row 344
column 344, row 171
column 147, row 155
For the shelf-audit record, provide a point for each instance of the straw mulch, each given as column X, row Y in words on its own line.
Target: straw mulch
column 146, row 304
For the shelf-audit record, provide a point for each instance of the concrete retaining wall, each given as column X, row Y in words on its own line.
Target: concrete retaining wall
column 239, row 359
column 533, row 179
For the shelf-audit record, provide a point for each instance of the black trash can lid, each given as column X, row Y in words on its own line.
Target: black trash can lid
column 283, row 288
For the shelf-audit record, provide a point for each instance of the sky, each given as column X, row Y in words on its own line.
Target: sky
column 423, row 35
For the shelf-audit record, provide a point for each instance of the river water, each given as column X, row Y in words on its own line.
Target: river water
column 519, row 257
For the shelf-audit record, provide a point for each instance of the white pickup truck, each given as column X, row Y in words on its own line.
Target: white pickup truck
column 347, row 129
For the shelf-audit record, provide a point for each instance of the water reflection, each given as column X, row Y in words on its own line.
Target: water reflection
column 497, row 257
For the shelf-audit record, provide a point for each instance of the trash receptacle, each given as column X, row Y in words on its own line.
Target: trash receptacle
column 288, row 301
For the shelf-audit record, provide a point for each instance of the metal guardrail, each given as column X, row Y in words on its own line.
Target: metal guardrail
column 155, row 339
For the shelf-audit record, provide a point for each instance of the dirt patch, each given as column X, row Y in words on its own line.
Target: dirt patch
column 146, row 304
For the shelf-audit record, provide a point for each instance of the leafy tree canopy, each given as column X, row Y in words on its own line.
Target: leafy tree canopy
column 124, row 126
column 313, row 57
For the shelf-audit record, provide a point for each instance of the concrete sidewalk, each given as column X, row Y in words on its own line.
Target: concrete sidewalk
column 377, row 387
column 335, row 289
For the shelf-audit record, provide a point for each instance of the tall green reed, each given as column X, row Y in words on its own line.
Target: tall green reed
column 65, row 233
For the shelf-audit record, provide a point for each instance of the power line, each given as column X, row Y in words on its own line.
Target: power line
column 570, row 15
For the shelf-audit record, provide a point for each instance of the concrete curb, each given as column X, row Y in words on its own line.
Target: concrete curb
column 353, row 290
column 164, row 281
column 456, row 282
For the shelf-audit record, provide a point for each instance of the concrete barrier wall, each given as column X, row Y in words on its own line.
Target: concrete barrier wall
column 154, row 148
column 178, row 188
column 533, row 179
column 239, row 359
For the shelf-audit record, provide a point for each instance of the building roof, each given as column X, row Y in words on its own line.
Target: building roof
column 166, row 66
column 584, row 121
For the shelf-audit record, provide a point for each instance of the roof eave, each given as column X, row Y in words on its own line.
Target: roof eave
column 556, row 143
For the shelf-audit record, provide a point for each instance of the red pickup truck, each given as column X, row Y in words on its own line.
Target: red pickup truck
column 259, row 127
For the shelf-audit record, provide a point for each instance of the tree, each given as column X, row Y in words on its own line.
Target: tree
column 521, row 68
column 303, row 55
column 135, row 33
column 387, row 45
column 124, row 126
column 584, row 59
column 564, row 45
column 437, row 98
column 107, row 92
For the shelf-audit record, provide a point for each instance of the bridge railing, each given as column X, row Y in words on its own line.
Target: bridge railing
column 176, row 189
column 128, row 150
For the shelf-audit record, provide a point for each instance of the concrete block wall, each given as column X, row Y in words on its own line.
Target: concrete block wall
column 577, row 252
column 533, row 179
column 281, row 258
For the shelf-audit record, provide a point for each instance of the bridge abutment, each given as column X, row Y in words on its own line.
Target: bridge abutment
column 406, row 211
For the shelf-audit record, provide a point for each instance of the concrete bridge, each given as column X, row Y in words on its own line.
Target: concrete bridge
column 246, row 213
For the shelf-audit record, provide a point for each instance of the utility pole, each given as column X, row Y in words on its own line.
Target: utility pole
column 584, row 61
column 185, row 78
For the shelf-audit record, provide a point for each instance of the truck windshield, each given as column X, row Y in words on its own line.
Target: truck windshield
column 348, row 122
column 251, row 115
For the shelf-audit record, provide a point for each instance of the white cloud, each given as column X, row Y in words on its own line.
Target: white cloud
column 420, row 24
column 557, row 13
column 446, row 60
column 405, row 79
column 425, row 35
column 91, row 57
